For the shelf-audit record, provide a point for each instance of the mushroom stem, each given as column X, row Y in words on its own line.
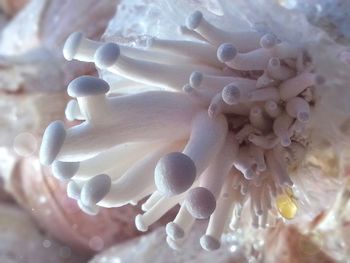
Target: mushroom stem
column 90, row 93
column 214, row 176
column 206, row 139
column 277, row 169
column 264, row 94
column 294, row 86
column 110, row 57
column 145, row 116
column 278, row 71
column 244, row 162
column 257, row 59
column 80, row 48
column 245, row 41
column 258, row 120
column 219, row 219
column 196, row 50
column 179, row 228
column 151, row 201
column 135, row 179
column 200, row 80
column 281, row 126
column 298, row 108
column 120, row 156
column 143, row 221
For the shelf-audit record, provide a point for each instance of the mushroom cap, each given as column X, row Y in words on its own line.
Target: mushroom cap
column 71, row 45
column 194, row 20
column 174, row 231
column 200, row 202
column 106, row 55
column 174, row 173
column 140, row 224
column 226, row 52
column 209, row 243
column 86, row 86
column 196, row 79
column 95, row 189
column 52, row 142
column 231, row 94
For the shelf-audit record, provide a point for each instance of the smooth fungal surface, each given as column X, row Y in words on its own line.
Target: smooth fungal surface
column 222, row 135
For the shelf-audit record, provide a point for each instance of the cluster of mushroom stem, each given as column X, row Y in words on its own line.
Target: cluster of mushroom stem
column 222, row 134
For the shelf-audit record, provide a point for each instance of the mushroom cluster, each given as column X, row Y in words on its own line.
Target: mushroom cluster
column 225, row 128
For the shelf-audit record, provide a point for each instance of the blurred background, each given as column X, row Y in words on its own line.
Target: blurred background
column 39, row 223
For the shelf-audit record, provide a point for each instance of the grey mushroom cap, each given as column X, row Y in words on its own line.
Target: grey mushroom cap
column 174, row 173
column 209, row 243
column 95, row 189
column 226, row 52
column 52, row 142
column 85, row 86
column 174, row 231
column 106, row 55
column 196, row 79
column 194, row 20
column 200, row 202
column 71, row 45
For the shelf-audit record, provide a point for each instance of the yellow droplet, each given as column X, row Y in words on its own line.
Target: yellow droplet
column 286, row 206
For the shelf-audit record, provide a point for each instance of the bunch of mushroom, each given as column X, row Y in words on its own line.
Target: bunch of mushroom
column 222, row 132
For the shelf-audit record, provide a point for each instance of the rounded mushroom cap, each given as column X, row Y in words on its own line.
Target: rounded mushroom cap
column 174, row 231
column 85, row 86
column 64, row 170
column 106, row 55
column 231, row 94
column 95, row 189
column 174, row 173
column 209, row 243
column 196, row 79
column 226, row 52
column 52, row 142
column 200, row 202
column 194, row 20
column 71, row 45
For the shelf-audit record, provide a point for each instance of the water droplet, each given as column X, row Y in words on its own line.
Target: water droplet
column 25, row 144
column 46, row 243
